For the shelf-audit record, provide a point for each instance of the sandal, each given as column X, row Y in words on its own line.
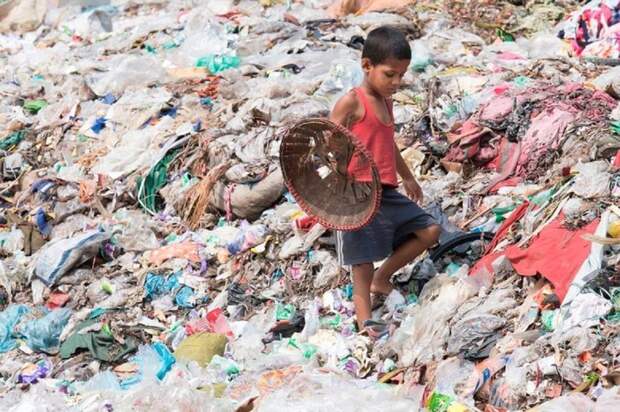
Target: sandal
column 375, row 329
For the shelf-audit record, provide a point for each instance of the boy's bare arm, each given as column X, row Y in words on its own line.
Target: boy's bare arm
column 401, row 166
column 413, row 189
column 345, row 110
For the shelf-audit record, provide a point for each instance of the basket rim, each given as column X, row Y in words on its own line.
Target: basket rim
column 377, row 189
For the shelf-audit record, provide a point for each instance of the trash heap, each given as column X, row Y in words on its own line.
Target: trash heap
column 152, row 259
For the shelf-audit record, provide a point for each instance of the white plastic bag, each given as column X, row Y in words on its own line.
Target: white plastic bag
column 593, row 179
column 60, row 255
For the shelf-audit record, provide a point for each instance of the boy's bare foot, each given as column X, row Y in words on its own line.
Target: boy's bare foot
column 381, row 284
column 377, row 300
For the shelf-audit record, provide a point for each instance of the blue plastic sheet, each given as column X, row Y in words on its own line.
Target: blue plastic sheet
column 44, row 227
column 9, row 318
column 166, row 358
column 159, row 285
column 154, row 361
column 108, row 99
column 99, row 125
column 184, row 296
column 43, row 334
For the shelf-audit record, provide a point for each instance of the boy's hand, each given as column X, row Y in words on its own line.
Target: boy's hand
column 413, row 189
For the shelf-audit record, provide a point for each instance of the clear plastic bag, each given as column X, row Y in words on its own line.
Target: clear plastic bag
column 12, row 241
column 315, row 391
column 130, row 71
column 573, row 402
column 329, row 268
column 44, row 334
column 9, row 318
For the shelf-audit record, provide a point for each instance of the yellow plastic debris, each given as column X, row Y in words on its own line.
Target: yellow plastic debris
column 457, row 407
column 201, row 348
column 614, row 229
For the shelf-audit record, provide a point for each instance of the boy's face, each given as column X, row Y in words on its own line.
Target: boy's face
column 385, row 77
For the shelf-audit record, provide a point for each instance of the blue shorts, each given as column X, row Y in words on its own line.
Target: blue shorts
column 396, row 222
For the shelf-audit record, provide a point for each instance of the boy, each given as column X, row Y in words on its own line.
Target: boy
column 401, row 230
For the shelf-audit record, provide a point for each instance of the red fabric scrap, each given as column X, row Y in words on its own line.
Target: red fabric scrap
column 486, row 261
column 306, row 223
column 505, row 163
column 511, row 182
column 215, row 321
column 516, row 214
column 556, row 253
column 57, row 300
column 616, row 163
column 473, row 143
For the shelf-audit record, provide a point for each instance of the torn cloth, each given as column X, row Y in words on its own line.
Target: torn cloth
column 185, row 250
column 474, row 142
column 101, row 345
column 556, row 253
column 545, row 133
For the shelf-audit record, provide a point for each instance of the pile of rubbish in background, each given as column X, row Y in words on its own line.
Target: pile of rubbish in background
column 150, row 255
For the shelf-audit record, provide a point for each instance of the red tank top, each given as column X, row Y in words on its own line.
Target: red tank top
column 378, row 138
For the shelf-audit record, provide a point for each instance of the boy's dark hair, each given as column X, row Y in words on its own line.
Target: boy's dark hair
column 386, row 42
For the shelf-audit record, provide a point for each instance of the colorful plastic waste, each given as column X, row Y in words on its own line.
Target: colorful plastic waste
column 149, row 247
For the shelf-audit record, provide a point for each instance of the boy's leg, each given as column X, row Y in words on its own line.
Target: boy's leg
column 362, row 278
column 424, row 239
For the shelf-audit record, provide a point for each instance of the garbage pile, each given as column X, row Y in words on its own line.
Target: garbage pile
column 152, row 259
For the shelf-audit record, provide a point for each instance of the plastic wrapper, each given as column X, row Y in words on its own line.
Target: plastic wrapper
column 248, row 237
column 218, row 63
column 137, row 149
column 586, row 309
column 91, row 24
column 202, row 39
column 32, row 373
column 154, row 362
column 574, row 402
column 312, row 321
column 609, row 80
column 474, row 336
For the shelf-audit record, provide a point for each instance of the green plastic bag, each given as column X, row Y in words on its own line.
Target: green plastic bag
column 547, row 317
column 504, row 35
column 218, row 63
column 285, row 312
column 148, row 192
column 34, row 106
column 439, row 402
column 12, row 140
